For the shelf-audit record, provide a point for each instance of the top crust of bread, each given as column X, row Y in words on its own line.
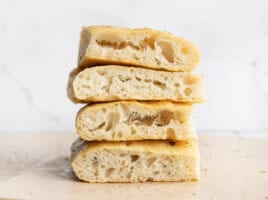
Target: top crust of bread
column 157, row 146
column 143, row 47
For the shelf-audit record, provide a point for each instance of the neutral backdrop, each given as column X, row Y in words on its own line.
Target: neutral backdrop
column 39, row 46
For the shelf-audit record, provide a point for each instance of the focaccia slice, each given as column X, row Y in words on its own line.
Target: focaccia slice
column 112, row 82
column 135, row 161
column 138, row 47
column 132, row 120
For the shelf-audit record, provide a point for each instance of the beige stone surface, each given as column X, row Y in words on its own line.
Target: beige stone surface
column 36, row 166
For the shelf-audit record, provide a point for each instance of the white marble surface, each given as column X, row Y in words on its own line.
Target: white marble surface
column 39, row 44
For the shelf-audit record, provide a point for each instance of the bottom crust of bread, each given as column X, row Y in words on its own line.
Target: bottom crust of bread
column 135, row 161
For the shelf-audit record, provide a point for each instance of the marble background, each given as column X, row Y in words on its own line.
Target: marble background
column 39, row 45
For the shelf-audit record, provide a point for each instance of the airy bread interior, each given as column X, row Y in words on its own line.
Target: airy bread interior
column 135, row 161
column 141, row 47
column 110, row 83
column 132, row 120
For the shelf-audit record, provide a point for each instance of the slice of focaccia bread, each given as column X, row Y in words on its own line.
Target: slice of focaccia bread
column 132, row 120
column 110, row 83
column 135, row 161
column 139, row 47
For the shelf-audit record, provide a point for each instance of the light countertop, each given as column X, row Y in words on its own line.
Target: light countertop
column 36, row 166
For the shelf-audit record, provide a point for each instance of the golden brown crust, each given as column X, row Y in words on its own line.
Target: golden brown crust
column 164, row 146
column 147, row 104
column 69, row 88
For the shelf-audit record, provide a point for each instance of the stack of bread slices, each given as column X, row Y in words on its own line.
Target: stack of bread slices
column 137, row 125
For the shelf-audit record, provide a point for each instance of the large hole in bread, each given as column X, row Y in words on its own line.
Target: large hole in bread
column 133, row 131
column 143, row 44
column 101, row 72
column 95, row 163
column 177, row 84
column 171, row 134
column 156, row 172
column 134, row 158
column 147, row 80
column 81, row 76
column 133, row 46
column 124, row 78
column 137, row 78
column 159, row 84
column 125, row 109
column 109, row 172
column 112, row 119
column 107, row 43
column 164, row 118
column 150, row 179
column 122, row 45
column 157, row 61
column 150, row 161
column 109, row 125
column 100, row 126
column 148, row 41
column 167, row 51
column 135, row 117
column 122, row 155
